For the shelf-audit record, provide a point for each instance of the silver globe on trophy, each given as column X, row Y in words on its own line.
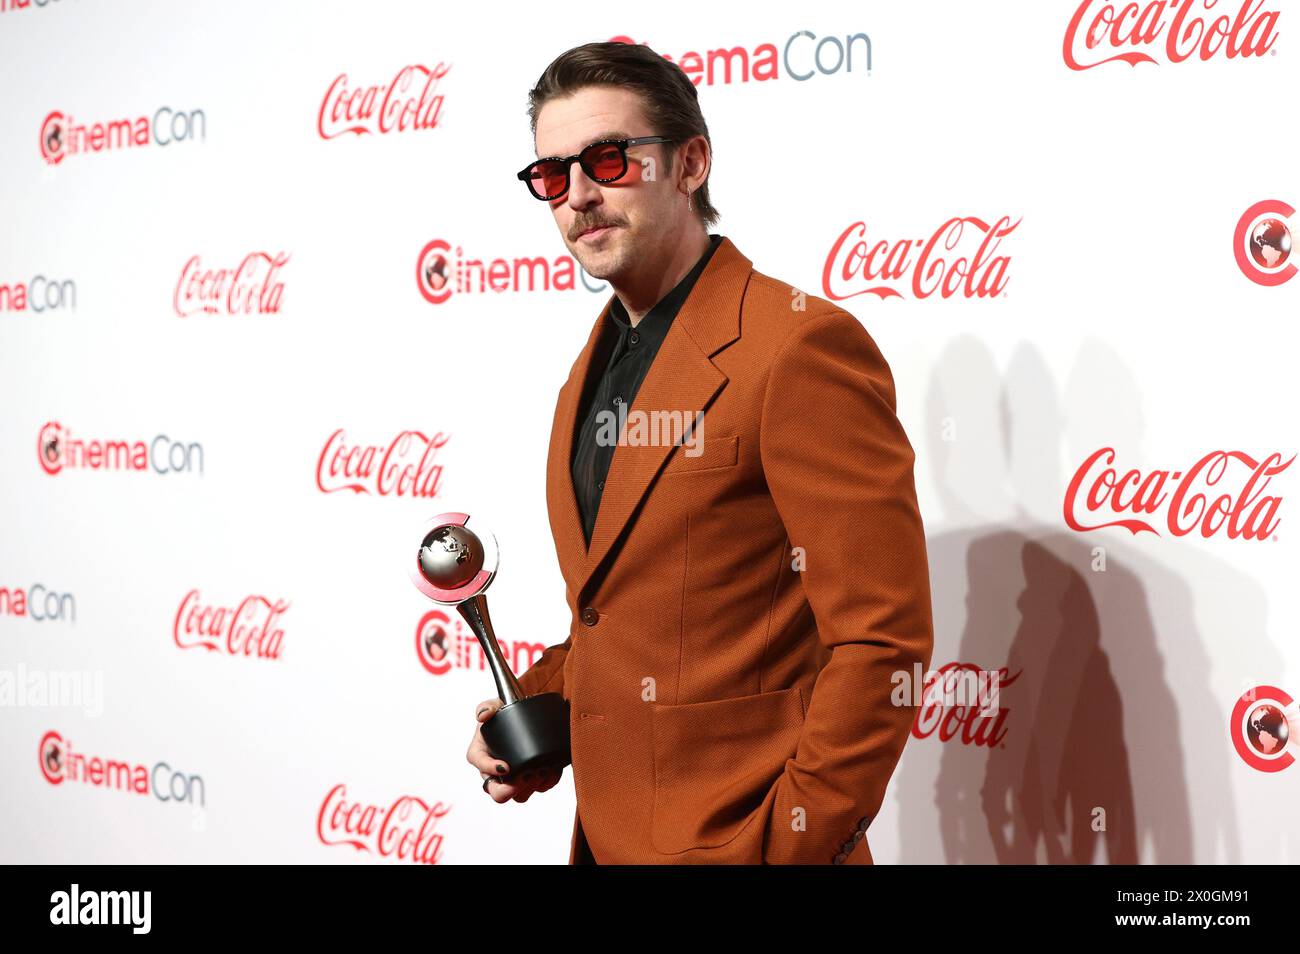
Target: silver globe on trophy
column 454, row 567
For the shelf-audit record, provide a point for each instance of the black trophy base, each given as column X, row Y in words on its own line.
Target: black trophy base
column 531, row 733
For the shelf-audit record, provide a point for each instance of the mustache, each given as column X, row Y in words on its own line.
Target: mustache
column 588, row 226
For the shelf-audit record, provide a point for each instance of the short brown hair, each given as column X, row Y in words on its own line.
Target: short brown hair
column 668, row 98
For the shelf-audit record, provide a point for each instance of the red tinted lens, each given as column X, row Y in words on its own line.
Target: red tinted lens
column 604, row 161
column 548, row 178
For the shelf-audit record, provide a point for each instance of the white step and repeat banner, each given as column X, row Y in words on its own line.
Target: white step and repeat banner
column 234, row 388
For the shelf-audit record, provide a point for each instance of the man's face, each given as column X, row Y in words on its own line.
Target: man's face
column 638, row 210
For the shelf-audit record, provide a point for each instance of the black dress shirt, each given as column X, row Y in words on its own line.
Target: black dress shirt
column 631, row 352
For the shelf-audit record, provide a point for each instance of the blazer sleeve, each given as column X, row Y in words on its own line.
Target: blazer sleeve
column 547, row 673
column 839, row 469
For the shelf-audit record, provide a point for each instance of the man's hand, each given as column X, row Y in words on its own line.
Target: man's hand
column 478, row 756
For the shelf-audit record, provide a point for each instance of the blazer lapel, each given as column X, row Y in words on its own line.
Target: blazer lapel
column 561, row 498
column 682, row 378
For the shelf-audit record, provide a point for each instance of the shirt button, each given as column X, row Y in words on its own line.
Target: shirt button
column 839, row 859
column 589, row 616
column 618, row 399
column 600, row 485
column 635, row 337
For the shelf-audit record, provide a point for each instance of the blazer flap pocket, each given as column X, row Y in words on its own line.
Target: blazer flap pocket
column 714, row 763
column 719, row 450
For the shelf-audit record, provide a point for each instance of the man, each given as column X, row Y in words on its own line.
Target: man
column 742, row 595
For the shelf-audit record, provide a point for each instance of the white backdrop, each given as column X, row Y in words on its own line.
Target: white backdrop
column 1122, row 320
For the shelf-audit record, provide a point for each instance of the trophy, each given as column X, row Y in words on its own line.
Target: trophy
column 454, row 567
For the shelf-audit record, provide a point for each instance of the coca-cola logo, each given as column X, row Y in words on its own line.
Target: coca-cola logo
column 1190, row 500
column 62, row 136
column 404, row 467
column 1177, row 31
column 857, row 265
column 57, row 450
column 405, row 829
column 1261, row 243
column 973, row 716
column 254, row 286
column 251, row 628
column 410, row 102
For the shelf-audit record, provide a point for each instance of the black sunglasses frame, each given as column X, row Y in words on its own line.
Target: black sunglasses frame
column 524, row 175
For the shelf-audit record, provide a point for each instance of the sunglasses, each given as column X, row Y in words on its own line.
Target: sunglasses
column 603, row 161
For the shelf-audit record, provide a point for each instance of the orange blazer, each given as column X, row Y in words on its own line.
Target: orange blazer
column 740, row 615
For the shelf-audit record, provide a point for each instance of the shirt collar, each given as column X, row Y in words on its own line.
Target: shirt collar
column 654, row 325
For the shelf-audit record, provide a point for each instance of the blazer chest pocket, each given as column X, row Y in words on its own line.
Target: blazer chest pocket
column 715, row 762
column 713, row 453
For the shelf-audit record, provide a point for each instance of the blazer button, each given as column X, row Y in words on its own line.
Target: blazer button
column 589, row 616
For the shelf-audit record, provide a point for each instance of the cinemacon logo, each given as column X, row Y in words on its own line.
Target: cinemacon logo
column 39, row 603
column 443, row 644
column 443, row 270
column 63, row 136
column 57, row 450
column 39, row 295
column 1103, row 32
column 409, row 102
column 60, row 764
column 9, row 6
column 802, row 56
column 1262, row 243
